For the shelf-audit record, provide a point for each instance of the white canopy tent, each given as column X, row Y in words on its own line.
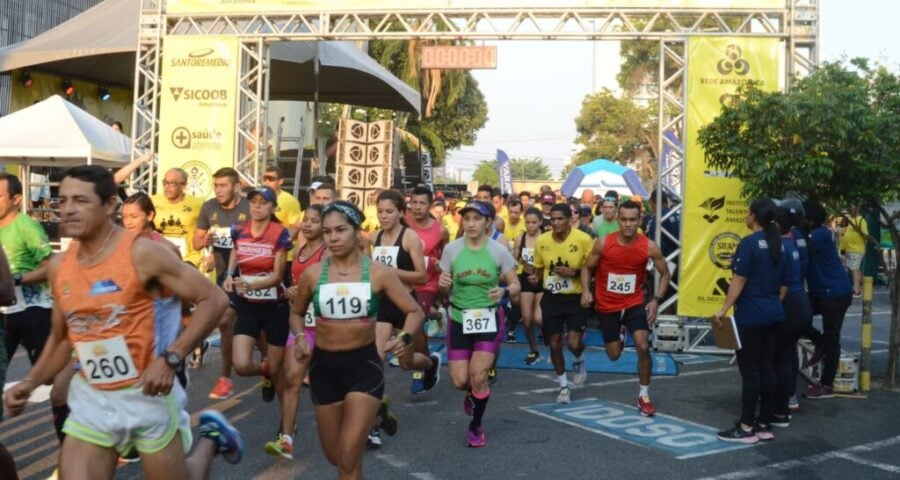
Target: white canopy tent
column 57, row 133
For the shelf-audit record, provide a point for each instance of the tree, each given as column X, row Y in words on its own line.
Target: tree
column 835, row 139
column 616, row 129
column 486, row 173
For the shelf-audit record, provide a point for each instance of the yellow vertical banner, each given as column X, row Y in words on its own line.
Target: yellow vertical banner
column 198, row 108
column 714, row 211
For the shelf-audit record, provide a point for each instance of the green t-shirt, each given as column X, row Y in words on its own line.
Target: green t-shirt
column 604, row 228
column 474, row 273
column 26, row 246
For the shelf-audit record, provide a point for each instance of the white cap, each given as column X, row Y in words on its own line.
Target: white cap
column 314, row 185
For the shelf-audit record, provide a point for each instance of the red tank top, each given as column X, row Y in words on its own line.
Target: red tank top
column 431, row 243
column 298, row 267
column 108, row 315
column 620, row 274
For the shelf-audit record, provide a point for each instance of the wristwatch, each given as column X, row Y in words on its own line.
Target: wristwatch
column 17, row 279
column 172, row 359
column 406, row 337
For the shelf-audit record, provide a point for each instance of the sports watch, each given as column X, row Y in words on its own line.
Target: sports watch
column 172, row 359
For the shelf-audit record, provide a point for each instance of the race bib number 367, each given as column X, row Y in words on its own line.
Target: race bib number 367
column 344, row 301
column 106, row 361
column 479, row 320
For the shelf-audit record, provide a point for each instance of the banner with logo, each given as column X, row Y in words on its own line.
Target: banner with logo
column 714, row 211
column 310, row 6
column 504, row 168
column 198, row 108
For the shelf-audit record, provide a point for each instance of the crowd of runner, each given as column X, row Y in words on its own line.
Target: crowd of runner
column 326, row 295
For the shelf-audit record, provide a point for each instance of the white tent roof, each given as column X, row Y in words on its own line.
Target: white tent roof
column 57, row 133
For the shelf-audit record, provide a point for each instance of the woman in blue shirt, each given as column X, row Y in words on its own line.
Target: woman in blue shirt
column 760, row 281
column 797, row 319
column 830, row 293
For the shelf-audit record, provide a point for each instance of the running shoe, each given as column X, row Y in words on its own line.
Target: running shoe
column 565, row 395
column 433, row 374
column 793, row 403
column 819, row 391
column 579, row 373
column 199, row 355
column 229, row 441
column 764, row 432
column 388, row 420
column 737, row 434
column 283, row 446
column 268, row 385
column 224, row 388
column 816, row 357
column 492, row 376
column 476, row 437
column 511, row 336
column 646, row 406
column 418, row 382
column 780, row 421
column 469, row 404
column 532, row 358
column 374, row 439
column 394, row 361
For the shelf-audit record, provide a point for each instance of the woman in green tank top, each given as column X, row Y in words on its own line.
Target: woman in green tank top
column 345, row 372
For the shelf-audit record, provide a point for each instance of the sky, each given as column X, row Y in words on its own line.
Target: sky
column 536, row 92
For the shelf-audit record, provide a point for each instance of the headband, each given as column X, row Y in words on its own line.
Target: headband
column 351, row 214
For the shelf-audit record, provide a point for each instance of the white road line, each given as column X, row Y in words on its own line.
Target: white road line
column 392, row 460
column 424, row 476
column 817, row 459
column 627, row 380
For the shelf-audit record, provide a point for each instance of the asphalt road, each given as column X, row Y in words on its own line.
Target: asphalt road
column 598, row 436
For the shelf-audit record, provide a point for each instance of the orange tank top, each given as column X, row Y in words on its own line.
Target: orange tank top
column 108, row 314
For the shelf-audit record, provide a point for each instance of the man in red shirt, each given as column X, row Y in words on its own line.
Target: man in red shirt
column 621, row 264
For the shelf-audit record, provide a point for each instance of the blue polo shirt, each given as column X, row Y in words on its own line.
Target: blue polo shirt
column 826, row 276
column 800, row 241
column 759, row 304
column 795, row 276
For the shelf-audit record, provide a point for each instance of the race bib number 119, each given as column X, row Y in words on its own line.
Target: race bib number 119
column 344, row 301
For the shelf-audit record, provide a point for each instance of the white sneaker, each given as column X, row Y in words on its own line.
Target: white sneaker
column 579, row 373
column 565, row 395
column 374, row 440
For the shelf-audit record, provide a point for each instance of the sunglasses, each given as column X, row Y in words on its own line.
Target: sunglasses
column 270, row 178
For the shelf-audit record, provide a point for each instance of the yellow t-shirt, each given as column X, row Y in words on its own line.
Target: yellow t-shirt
column 852, row 241
column 504, row 214
column 288, row 212
column 177, row 222
column 513, row 232
column 450, row 225
column 572, row 252
column 371, row 224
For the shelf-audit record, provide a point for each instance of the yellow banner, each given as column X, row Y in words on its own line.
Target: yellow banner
column 714, row 211
column 198, row 108
column 328, row 6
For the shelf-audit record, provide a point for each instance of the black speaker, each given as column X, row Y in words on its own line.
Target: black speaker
column 413, row 166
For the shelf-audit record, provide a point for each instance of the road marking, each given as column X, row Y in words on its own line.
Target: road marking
column 869, row 463
column 815, row 460
column 627, row 380
column 424, row 476
column 681, row 438
column 392, row 461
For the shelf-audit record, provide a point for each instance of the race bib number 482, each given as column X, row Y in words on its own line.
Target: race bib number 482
column 621, row 284
column 106, row 361
column 479, row 320
column 344, row 301
column 386, row 255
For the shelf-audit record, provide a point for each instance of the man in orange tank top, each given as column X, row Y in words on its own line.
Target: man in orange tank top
column 621, row 263
column 124, row 396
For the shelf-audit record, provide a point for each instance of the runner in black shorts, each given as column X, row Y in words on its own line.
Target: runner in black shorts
column 530, row 298
column 559, row 256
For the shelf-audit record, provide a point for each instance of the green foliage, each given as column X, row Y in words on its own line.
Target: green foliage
column 613, row 128
column 486, row 173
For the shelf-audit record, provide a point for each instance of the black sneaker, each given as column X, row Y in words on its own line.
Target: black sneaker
column 511, row 337
column 433, row 374
column 388, row 420
column 532, row 358
column 781, row 421
column 492, row 376
column 764, row 432
column 737, row 434
column 374, row 439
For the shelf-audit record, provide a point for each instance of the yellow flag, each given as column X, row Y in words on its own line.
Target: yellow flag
column 714, row 212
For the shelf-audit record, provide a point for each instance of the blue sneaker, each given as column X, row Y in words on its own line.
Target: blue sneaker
column 229, row 441
column 418, row 382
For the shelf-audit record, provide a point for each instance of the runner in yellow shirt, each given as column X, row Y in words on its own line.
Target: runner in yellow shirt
column 177, row 214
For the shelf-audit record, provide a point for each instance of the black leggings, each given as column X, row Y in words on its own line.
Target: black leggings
column 797, row 319
column 832, row 311
column 756, row 361
column 30, row 327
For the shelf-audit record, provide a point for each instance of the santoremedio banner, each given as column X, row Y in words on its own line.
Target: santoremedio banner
column 714, row 211
column 198, row 108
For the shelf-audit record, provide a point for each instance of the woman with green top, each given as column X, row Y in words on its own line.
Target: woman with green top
column 472, row 268
column 346, row 377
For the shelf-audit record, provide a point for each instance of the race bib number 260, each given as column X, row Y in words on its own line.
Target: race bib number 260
column 106, row 361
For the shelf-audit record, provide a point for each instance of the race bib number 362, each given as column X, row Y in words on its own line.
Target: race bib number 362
column 479, row 320
column 270, row 293
column 344, row 301
column 106, row 361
